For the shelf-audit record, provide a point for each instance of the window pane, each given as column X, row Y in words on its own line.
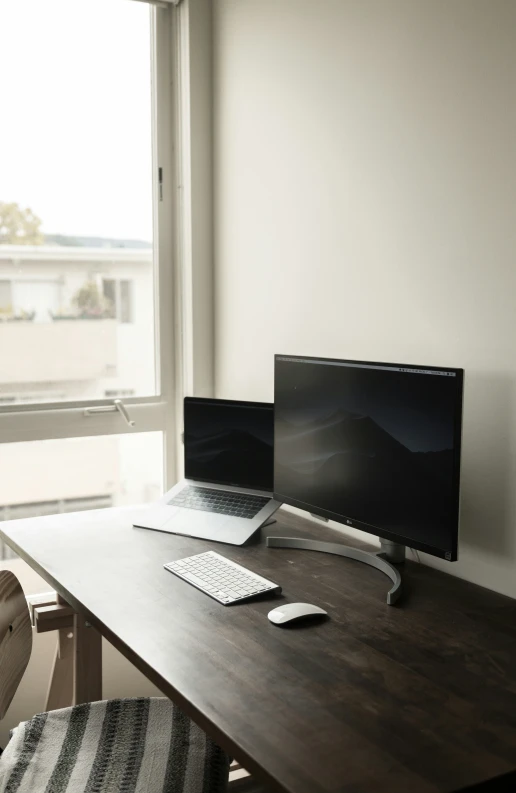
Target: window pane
column 6, row 299
column 109, row 292
column 126, row 305
column 76, row 192
column 75, row 474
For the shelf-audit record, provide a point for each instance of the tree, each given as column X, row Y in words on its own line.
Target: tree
column 91, row 302
column 19, row 226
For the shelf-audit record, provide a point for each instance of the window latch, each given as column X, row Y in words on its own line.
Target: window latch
column 117, row 405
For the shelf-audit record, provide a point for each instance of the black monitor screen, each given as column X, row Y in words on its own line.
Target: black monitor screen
column 372, row 445
column 229, row 442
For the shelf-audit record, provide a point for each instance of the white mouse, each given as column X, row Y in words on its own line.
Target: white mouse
column 294, row 611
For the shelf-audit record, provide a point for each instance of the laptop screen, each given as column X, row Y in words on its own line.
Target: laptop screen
column 229, row 442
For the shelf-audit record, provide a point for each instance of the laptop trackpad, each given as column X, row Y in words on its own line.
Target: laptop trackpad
column 155, row 518
column 197, row 523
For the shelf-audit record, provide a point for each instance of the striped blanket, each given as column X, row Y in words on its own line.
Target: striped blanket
column 142, row 745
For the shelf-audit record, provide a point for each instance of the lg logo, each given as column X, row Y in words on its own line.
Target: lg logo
column 349, row 523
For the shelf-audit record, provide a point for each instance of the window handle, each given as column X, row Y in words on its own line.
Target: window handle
column 117, row 405
column 123, row 411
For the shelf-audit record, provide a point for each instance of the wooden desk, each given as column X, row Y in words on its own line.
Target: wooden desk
column 416, row 698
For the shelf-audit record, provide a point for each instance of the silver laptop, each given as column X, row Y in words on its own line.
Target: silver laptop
column 229, row 458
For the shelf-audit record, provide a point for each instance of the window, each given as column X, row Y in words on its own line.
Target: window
column 73, row 474
column 119, row 298
column 6, row 299
column 126, row 312
column 77, row 247
column 82, row 249
column 109, row 291
column 35, row 300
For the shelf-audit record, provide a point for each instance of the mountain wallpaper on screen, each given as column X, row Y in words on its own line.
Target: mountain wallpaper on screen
column 231, row 456
column 347, row 464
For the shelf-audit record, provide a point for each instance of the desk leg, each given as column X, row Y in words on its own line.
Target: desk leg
column 87, row 667
column 60, row 691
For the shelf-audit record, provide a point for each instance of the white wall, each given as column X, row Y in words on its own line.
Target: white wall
column 365, row 207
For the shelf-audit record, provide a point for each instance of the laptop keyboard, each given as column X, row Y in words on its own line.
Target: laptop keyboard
column 224, row 502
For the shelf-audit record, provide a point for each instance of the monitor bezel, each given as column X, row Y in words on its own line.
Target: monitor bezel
column 230, row 403
column 449, row 554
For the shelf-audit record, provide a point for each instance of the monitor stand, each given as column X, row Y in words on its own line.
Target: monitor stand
column 391, row 552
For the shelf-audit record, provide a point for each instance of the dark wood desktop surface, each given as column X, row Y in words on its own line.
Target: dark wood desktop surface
column 415, row 698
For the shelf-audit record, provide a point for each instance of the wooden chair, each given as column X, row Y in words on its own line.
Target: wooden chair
column 144, row 745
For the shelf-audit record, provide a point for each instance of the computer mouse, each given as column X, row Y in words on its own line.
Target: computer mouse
column 291, row 612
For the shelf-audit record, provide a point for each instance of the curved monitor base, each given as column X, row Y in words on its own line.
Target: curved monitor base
column 372, row 559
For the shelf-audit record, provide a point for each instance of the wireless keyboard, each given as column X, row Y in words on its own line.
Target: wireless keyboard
column 220, row 578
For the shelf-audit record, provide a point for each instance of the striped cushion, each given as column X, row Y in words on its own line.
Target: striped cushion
column 142, row 745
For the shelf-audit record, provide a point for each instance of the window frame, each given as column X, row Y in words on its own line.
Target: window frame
column 44, row 421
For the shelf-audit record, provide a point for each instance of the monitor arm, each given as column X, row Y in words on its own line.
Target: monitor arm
column 377, row 560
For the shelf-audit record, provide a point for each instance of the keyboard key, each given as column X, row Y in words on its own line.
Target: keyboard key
column 194, row 579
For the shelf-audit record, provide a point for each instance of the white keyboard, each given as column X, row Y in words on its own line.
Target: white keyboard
column 221, row 578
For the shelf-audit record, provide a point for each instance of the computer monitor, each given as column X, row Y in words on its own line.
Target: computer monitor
column 375, row 446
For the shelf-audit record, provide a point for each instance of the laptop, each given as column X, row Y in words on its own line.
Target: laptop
column 226, row 494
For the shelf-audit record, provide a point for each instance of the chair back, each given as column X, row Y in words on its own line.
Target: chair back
column 15, row 637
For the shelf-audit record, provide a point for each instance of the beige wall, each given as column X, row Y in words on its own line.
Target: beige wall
column 365, row 207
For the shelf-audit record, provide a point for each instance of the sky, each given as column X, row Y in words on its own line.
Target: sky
column 75, row 115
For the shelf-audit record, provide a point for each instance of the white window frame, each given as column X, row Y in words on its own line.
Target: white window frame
column 69, row 419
